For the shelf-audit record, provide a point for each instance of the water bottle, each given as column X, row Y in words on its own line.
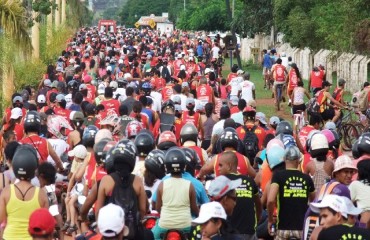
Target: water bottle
column 273, row 229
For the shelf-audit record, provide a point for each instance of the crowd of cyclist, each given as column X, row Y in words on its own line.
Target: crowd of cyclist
column 138, row 125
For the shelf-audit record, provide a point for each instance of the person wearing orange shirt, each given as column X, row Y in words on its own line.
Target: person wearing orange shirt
column 205, row 92
column 249, row 114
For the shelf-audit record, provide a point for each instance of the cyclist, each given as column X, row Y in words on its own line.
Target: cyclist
column 338, row 96
column 279, row 74
column 327, row 103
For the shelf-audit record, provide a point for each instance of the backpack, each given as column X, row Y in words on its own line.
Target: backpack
column 251, row 143
column 363, row 101
column 313, row 219
column 126, row 198
column 313, row 106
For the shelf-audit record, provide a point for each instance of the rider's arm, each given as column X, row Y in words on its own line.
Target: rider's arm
column 207, row 168
column 158, row 203
column 55, row 156
column 43, row 199
column 328, row 95
column 89, row 202
column 257, row 202
column 193, row 200
column 307, row 94
column 143, row 200
column 5, row 194
column 271, row 201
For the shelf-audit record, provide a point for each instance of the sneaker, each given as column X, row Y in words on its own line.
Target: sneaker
column 283, row 98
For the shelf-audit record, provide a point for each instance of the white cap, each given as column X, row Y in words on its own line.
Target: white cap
column 261, row 117
column 330, row 126
column 103, row 133
column 234, row 100
column 179, row 55
column 182, row 67
column 16, row 113
column 239, row 72
column 210, row 210
column 72, row 61
column 101, row 89
column 335, row 202
column 319, row 141
column 207, row 70
column 113, row 84
column 120, row 61
column 109, row 68
column 79, row 151
column 274, row 120
column 351, row 209
column 111, row 220
column 41, row 99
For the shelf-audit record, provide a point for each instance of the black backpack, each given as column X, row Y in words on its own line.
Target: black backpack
column 167, row 122
column 126, row 198
column 251, row 143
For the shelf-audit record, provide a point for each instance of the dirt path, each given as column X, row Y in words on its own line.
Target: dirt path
column 270, row 102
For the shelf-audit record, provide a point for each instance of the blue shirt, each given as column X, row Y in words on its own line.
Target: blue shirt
column 200, row 50
column 267, row 63
column 198, row 186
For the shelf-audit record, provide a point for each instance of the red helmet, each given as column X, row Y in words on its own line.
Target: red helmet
column 133, row 128
column 166, row 140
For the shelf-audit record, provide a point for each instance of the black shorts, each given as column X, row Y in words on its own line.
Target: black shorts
column 328, row 114
column 297, row 108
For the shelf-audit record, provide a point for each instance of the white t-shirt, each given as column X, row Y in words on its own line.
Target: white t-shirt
column 122, row 93
column 60, row 147
column 238, row 117
column 246, row 87
column 215, row 51
column 157, row 101
column 234, row 83
column 218, row 128
column 360, row 193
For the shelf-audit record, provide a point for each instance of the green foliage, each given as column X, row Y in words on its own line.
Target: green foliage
column 208, row 16
column 362, row 37
column 78, row 14
column 28, row 73
column 317, row 24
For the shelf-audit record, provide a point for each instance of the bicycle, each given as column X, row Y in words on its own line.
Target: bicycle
column 349, row 130
column 299, row 120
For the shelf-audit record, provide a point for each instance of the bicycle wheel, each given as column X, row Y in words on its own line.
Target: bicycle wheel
column 350, row 135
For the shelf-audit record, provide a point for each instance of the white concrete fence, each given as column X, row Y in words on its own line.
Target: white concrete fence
column 351, row 67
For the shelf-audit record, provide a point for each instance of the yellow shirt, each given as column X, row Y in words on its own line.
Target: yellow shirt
column 18, row 214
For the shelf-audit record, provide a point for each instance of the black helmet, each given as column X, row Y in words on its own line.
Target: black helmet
column 192, row 161
column 73, row 84
column 175, row 160
column 188, row 133
column 107, row 158
column 88, row 136
column 25, row 162
column 284, row 127
column 355, row 152
column 124, row 155
column 229, row 139
column 364, row 143
column 168, row 104
column 98, row 150
column 154, row 163
column 144, row 143
column 32, row 122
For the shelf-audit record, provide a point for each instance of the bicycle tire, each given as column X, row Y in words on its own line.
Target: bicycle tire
column 350, row 136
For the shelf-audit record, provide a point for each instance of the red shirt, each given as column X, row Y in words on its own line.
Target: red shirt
column 260, row 133
column 231, row 76
column 111, row 106
column 40, row 144
column 167, row 92
column 204, row 94
column 186, row 118
column 316, row 79
column 18, row 130
column 144, row 119
column 62, row 112
column 293, row 79
column 234, row 109
column 90, row 170
column 91, row 92
column 158, row 83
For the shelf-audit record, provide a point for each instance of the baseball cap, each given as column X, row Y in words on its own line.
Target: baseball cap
column 252, row 103
column 17, row 99
column 335, row 202
column 343, row 162
column 41, row 222
column 47, row 83
column 208, row 211
column 239, row 72
column 234, row 100
column 179, row 55
column 41, row 99
column 261, row 117
column 326, row 84
column 207, row 70
column 351, row 209
column 190, row 101
column 16, row 113
column 185, row 84
column 101, row 89
column 113, row 84
column 221, row 185
column 176, row 99
column 82, row 87
column 274, row 120
column 319, row 141
column 78, row 151
column 71, row 61
column 60, row 97
column 76, row 116
column 330, row 125
column 111, row 220
column 54, row 84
